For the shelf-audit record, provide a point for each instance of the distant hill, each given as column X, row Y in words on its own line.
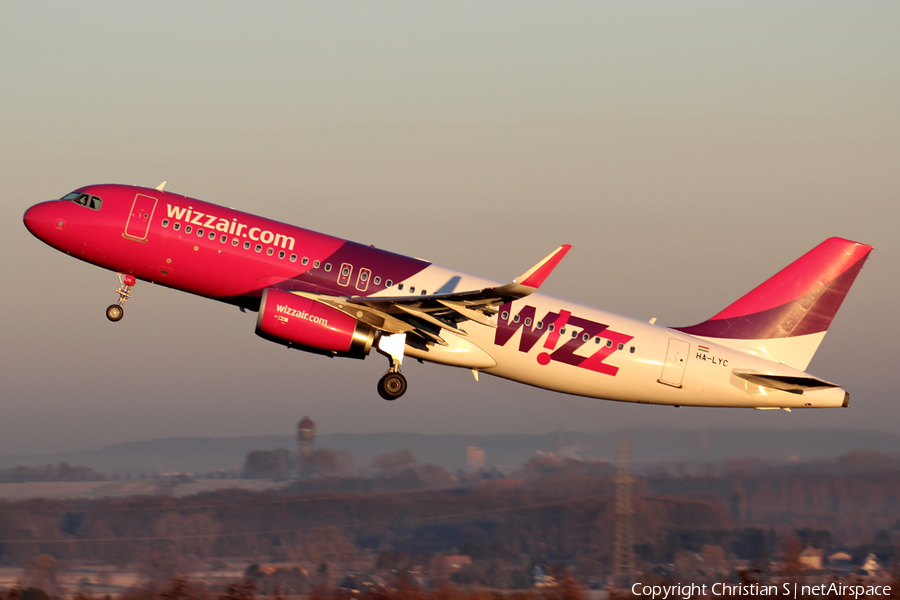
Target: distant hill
column 507, row 452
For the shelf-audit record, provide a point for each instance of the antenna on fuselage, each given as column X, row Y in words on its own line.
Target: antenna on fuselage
column 161, row 186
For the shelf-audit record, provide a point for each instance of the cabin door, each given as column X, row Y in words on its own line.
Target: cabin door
column 676, row 359
column 139, row 220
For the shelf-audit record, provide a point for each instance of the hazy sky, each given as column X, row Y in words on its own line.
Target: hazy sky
column 688, row 150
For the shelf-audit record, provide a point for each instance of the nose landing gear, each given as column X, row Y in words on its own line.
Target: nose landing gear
column 115, row 312
column 393, row 384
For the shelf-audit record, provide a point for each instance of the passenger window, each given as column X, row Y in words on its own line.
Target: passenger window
column 223, row 239
column 596, row 340
column 424, row 293
column 550, row 327
column 259, row 247
column 270, row 251
column 176, row 226
column 516, row 319
column 527, row 321
column 316, row 264
column 574, row 334
column 281, row 254
column 246, row 245
column 540, row 325
column 345, row 272
column 388, row 283
column 327, row 267
column 235, row 242
column 200, row 232
column 504, row 315
column 585, row 337
column 187, row 228
column 399, row 286
column 212, row 235
column 362, row 279
column 377, row 280
column 293, row 258
column 165, row 223
column 631, row 349
column 621, row 346
column 562, row 331
column 609, row 343
column 412, row 289
column 305, row 261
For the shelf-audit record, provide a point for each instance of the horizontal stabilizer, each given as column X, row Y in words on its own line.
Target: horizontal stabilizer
column 785, row 383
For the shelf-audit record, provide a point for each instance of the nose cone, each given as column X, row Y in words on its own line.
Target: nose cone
column 37, row 219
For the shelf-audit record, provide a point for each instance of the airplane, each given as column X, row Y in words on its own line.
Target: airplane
column 329, row 296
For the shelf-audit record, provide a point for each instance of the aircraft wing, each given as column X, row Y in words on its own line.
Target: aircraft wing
column 426, row 317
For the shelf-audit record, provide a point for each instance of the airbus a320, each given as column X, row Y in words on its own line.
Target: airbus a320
column 330, row 296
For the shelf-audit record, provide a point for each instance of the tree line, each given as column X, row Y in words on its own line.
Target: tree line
column 550, row 510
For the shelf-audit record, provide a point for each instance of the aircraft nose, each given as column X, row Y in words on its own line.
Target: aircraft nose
column 37, row 218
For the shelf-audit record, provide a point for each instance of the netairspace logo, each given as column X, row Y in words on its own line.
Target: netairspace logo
column 788, row 589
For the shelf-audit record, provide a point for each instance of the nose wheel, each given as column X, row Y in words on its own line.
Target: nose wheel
column 115, row 312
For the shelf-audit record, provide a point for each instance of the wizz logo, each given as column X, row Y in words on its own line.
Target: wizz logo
column 554, row 325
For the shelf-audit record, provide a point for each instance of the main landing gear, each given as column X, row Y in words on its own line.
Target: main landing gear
column 115, row 312
column 393, row 384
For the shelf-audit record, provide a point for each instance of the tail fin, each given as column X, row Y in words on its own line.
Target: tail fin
column 786, row 317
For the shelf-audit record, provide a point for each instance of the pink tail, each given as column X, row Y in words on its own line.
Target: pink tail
column 800, row 300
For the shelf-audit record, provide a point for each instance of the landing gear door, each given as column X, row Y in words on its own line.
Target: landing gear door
column 676, row 359
column 139, row 220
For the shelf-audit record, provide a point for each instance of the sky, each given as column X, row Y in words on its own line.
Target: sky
column 687, row 150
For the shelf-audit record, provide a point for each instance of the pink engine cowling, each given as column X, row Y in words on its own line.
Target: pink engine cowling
column 300, row 322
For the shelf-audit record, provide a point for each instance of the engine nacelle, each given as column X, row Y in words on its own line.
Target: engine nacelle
column 302, row 323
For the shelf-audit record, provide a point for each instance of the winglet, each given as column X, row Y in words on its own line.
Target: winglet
column 536, row 275
column 161, row 186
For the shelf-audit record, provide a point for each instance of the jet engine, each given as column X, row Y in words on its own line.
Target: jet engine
column 303, row 323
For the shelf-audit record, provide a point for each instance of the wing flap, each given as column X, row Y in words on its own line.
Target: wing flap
column 433, row 320
column 466, row 312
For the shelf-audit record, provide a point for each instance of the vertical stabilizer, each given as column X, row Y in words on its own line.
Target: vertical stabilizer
column 786, row 317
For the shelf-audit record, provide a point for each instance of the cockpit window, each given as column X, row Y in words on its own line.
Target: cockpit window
column 92, row 202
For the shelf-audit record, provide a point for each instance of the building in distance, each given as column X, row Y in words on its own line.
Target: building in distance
column 474, row 457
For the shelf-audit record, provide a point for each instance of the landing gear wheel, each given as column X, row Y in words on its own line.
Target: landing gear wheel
column 115, row 312
column 392, row 386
